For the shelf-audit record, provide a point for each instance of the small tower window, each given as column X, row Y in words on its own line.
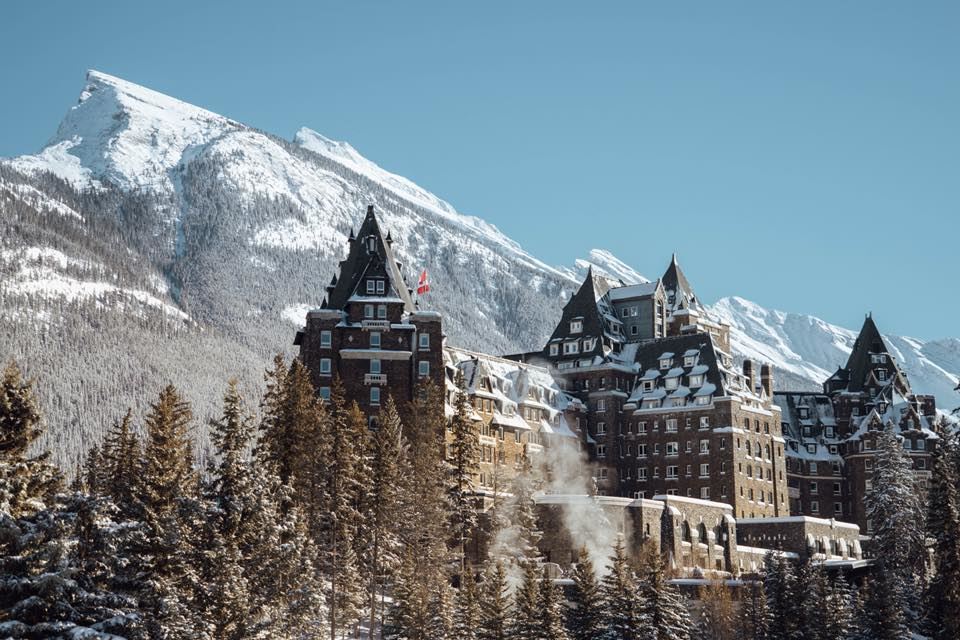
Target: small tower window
column 368, row 311
column 381, row 287
column 382, row 311
column 576, row 326
column 371, row 244
column 371, row 286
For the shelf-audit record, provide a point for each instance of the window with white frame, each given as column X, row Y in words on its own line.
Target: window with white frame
column 326, row 339
column 571, row 347
column 601, row 428
column 424, row 341
column 381, row 311
column 601, row 451
column 374, row 395
column 673, row 448
column 371, row 286
column 601, row 405
column 704, row 470
column 368, row 311
column 642, row 474
column 814, row 506
column 423, row 368
column 374, row 339
column 671, row 383
column 603, row 473
column 576, row 326
column 325, row 393
column 381, row 287
column 671, row 424
column 704, row 446
column 374, row 366
column 672, row 472
column 665, row 363
column 704, row 493
column 324, row 366
column 554, row 349
column 642, row 449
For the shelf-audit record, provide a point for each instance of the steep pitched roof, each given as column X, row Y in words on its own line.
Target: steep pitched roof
column 592, row 305
column 859, row 365
column 680, row 294
column 362, row 261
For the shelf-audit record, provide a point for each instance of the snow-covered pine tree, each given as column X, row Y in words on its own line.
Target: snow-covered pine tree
column 278, row 445
column 345, row 595
column 120, row 464
column 527, row 617
column 780, row 586
column 625, row 617
column 840, row 609
column 466, row 617
column 496, row 611
column 585, row 618
column 665, row 609
column 754, row 614
column 383, row 515
column 810, row 602
column 440, row 613
column 894, row 510
column 27, row 483
column 521, row 519
column 551, row 610
column 464, row 463
column 717, row 620
column 167, row 473
column 943, row 526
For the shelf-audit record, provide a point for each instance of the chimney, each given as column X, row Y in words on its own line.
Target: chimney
column 766, row 379
column 748, row 374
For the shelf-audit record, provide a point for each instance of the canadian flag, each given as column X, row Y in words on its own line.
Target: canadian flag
column 423, row 285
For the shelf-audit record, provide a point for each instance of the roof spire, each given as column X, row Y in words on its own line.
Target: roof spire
column 352, row 236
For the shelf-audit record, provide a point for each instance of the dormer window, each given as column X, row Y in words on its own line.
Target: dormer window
column 696, row 381
column 671, row 383
column 576, row 326
column 371, row 286
column 371, row 244
column 588, row 344
column 571, row 347
column 878, row 358
column 381, row 287
column 688, row 361
column 881, row 375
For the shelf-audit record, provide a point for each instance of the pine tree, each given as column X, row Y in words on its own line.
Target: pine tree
column 168, row 457
column 464, row 464
column 666, row 610
column 27, row 483
column 527, row 615
column 943, row 526
column 440, row 613
column 810, row 601
column 625, row 619
column 754, row 613
column 120, row 459
column 550, row 610
column 840, row 610
column 496, row 610
column 585, row 618
column 466, row 620
column 383, row 515
column 780, row 587
column 893, row 508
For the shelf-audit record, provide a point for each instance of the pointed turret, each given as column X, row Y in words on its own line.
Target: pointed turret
column 680, row 294
column 870, row 362
column 370, row 258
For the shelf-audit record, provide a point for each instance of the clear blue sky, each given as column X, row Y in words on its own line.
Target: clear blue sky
column 804, row 155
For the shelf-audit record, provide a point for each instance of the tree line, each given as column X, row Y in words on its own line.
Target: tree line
column 310, row 521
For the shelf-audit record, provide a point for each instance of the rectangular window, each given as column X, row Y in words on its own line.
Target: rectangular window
column 813, row 488
column 704, row 446
column 704, row 493
column 603, row 473
column 325, row 393
column 601, row 451
column 673, row 448
column 375, row 395
column 576, row 326
column 814, row 506
column 381, row 311
column 836, row 488
column 554, row 350
column 326, row 339
column 642, row 450
column 601, row 405
column 642, row 474
column 423, row 368
column 374, row 366
column 381, row 287
column 704, row 470
column 324, row 366
column 642, row 427
column 371, row 286
column 671, row 424
column 424, row 341
column 571, row 347
column 374, row 339
column 368, row 311
column 813, row 467
column 672, row 471
column 601, row 428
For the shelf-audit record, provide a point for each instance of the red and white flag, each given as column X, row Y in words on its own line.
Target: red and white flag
column 422, row 285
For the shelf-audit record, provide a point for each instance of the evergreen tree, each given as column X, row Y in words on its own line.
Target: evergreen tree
column 840, row 610
column 625, row 618
column 893, row 508
column 120, row 459
column 943, row 526
column 496, row 610
column 780, row 586
column 167, row 470
column 585, row 618
column 754, row 614
column 466, row 621
column 383, row 515
column 665, row 609
column 550, row 613
column 440, row 613
column 527, row 617
column 27, row 483
column 464, row 464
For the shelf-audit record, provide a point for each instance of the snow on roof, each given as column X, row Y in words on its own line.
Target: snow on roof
column 699, row 369
column 676, row 372
column 706, row 390
column 634, row 291
column 666, row 355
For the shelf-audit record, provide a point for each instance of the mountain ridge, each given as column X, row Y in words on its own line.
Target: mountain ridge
column 159, row 208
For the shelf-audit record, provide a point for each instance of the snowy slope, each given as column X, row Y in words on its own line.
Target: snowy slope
column 812, row 349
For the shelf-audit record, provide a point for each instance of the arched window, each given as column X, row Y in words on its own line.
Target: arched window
column 748, row 448
column 703, row 533
column 685, row 531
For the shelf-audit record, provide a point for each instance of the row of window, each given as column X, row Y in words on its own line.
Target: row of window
column 376, row 286
column 704, row 493
column 673, row 472
column 574, row 346
column 672, row 448
column 326, row 340
column 376, row 367
column 657, row 403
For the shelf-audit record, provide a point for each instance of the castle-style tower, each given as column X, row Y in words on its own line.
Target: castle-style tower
column 369, row 330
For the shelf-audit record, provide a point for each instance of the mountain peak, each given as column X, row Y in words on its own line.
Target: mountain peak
column 125, row 134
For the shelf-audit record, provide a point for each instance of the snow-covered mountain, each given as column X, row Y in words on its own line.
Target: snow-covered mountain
column 153, row 241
